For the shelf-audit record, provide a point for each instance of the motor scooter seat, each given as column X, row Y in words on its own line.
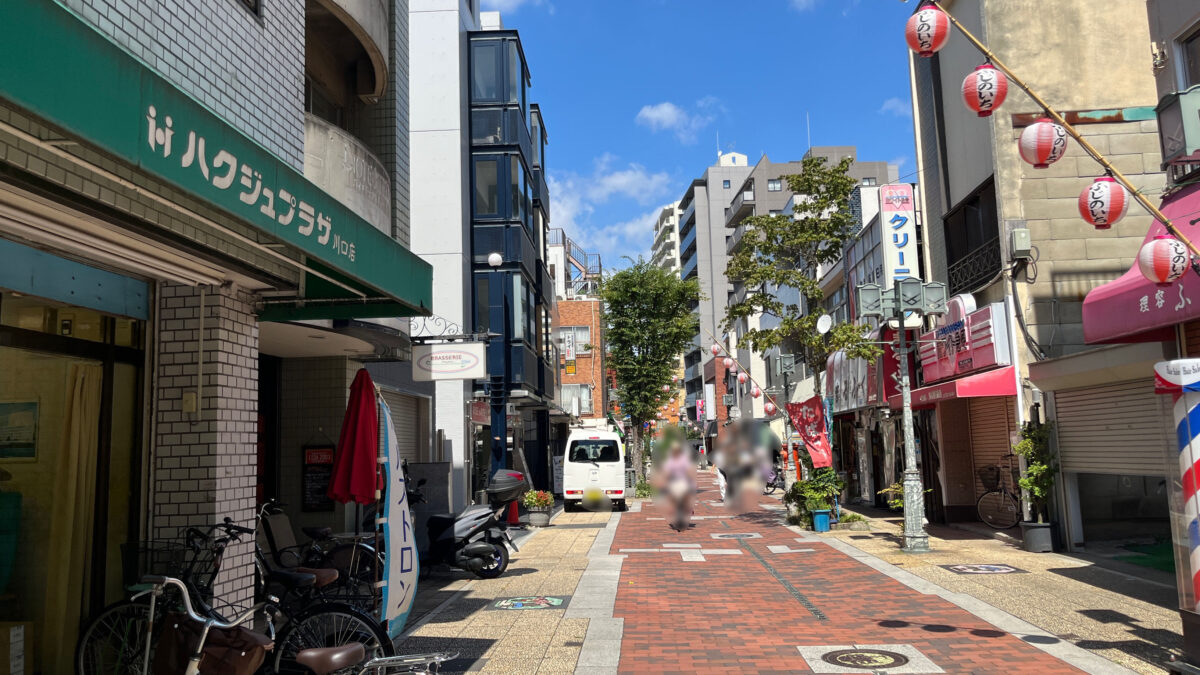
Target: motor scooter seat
column 440, row 522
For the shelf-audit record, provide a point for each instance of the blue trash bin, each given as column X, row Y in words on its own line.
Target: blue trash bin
column 821, row 520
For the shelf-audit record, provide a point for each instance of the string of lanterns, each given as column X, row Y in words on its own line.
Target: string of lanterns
column 1163, row 259
column 769, row 407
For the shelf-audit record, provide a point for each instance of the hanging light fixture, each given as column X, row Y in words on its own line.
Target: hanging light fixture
column 742, row 377
column 716, row 349
column 1043, row 143
column 1163, row 259
column 1104, row 202
column 927, row 30
column 756, row 392
column 728, row 362
column 769, row 408
column 984, row 89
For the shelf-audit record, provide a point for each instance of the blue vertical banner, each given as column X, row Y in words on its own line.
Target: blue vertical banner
column 399, row 534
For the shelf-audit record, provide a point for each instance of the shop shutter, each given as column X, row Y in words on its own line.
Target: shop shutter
column 1121, row 428
column 992, row 425
column 407, row 422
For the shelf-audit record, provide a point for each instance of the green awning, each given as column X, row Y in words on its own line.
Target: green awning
column 61, row 69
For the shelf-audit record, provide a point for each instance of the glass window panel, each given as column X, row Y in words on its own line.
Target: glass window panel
column 1191, row 60
column 517, row 183
column 487, row 126
column 515, row 81
column 487, row 195
column 486, row 66
column 482, row 307
column 774, row 185
column 519, row 307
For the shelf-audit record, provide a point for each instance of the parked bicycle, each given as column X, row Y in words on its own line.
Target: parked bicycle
column 773, row 479
column 1000, row 505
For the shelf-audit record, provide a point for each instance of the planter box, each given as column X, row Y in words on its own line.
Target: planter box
column 1037, row 537
column 539, row 516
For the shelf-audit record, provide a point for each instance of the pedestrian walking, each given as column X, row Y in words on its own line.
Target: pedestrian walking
column 678, row 481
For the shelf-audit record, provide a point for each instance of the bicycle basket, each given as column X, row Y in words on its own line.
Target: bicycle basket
column 989, row 476
column 165, row 558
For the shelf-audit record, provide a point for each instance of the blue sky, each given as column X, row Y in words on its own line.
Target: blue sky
column 635, row 92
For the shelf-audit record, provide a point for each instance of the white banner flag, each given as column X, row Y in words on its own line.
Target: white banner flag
column 399, row 534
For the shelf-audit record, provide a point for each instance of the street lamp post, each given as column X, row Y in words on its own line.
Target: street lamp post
column 908, row 297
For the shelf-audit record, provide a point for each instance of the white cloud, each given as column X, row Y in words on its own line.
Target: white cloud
column 667, row 116
column 803, row 5
column 575, row 200
column 897, row 107
column 899, row 162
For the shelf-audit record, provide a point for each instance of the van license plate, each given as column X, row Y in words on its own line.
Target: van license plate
column 594, row 493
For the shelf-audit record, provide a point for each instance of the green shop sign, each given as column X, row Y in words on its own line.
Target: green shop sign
column 59, row 68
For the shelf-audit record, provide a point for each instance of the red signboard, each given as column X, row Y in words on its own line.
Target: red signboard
column 809, row 420
column 966, row 340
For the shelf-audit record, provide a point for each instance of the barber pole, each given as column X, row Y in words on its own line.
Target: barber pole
column 1181, row 379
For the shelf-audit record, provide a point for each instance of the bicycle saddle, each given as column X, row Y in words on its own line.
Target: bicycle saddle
column 325, row 660
column 317, row 533
column 323, row 576
column 292, row 579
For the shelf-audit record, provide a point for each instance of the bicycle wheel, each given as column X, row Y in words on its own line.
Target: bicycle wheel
column 998, row 509
column 115, row 640
column 357, row 565
column 328, row 625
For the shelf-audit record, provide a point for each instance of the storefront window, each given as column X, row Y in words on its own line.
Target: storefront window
column 70, row 487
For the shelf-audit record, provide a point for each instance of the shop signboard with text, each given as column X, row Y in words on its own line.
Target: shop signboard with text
column 966, row 340
column 808, row 418
column 449, row 361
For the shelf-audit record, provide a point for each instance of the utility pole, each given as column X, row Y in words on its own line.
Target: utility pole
column 907, row 297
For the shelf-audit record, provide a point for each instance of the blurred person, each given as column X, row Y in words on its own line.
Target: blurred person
column 677, row 479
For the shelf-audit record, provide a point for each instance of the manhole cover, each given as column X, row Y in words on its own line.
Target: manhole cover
column 865, row 658
column 532, row 602
column 983, row 569
column 737, row 535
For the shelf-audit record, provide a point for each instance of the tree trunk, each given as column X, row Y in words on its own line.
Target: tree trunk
column 635, row 448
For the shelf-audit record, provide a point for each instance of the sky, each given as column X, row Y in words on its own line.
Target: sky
column 636, row 93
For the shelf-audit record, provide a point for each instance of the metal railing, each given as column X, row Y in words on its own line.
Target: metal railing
column 975, row 268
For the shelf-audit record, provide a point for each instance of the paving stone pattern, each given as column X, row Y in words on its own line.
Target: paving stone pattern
column 751, row 613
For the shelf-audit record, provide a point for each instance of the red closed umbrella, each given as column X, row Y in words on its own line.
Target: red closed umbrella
column 355, row 466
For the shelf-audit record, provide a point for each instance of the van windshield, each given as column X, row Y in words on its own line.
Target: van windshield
column 594, row 451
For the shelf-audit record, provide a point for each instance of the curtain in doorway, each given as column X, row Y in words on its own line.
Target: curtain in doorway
column 71, row 529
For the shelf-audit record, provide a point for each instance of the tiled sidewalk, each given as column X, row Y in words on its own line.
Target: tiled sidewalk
column 776, row 600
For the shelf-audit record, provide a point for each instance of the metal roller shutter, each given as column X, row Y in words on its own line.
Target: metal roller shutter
column 991, row 433
column 1120, row 428
column 406, row 421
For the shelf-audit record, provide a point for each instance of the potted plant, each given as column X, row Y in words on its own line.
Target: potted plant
column 810, row 501
column 1038, row 481
column 538, row 503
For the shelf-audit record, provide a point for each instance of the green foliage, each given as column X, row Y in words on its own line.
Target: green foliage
column 1040, row 467
column 851, row 517
column 895, row 496
column 814, row 494
column 642, row 490
column 648, row 324
column 537, row 499
column 784, row 252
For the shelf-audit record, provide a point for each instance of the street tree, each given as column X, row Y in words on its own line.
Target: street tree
column 649, row 323
column 780, row 254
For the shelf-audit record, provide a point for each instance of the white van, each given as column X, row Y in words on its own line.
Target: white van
column 594, row 468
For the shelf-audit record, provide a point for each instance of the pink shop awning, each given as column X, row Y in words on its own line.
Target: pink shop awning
column 999, row 382
column 1133, row 309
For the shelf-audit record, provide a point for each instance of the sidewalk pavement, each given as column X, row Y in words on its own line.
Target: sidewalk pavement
column 738, row 593
column 1125, row 614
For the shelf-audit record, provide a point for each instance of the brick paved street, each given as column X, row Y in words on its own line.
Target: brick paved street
column 737, row 593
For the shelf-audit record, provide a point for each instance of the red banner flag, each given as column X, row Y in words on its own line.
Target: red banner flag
column 809, row 420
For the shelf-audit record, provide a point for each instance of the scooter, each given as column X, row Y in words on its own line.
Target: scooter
column 477, row 539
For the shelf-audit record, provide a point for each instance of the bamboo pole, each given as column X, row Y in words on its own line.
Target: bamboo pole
column 1061, row 121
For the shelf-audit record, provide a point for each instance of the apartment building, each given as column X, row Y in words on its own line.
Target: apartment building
column 583, row 393
column 201, row 246
column 664, row 251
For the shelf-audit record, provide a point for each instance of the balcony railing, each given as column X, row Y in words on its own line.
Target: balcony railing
column 742, row 206
column 976, row 268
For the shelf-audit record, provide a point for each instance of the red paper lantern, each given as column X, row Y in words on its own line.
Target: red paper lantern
column 927, row 31
column 742, row 377
column 716, row 349
column 769, row 408
column 1043, row 143
column 666, row 387
column 674, row 378
column 756, row 392
column 728, row 362
column 1163, row 259
column 984, row 89
column 1103, row 203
